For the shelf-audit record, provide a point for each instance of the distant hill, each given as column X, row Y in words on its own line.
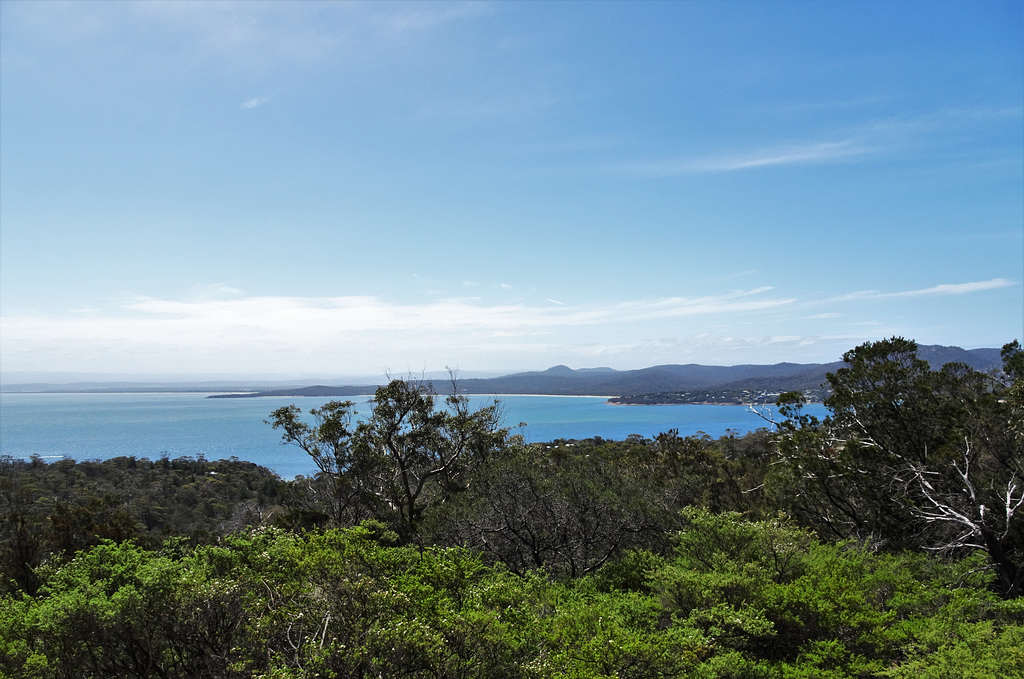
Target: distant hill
column 979, row 359
column 689, row 383
column 661, row 378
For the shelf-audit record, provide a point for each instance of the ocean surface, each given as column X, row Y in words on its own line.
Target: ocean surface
column 102, row 426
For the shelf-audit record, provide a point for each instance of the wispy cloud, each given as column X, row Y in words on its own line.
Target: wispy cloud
column 255, row 102
column 956, row 288
column 873, row 137
column 796, row 154
column 944, row 289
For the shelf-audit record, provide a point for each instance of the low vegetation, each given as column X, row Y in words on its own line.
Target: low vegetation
column 884, row 541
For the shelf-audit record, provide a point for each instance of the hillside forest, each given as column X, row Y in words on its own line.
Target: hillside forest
column 885, row 540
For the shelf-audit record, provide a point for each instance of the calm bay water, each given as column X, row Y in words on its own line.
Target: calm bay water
column 102, row 426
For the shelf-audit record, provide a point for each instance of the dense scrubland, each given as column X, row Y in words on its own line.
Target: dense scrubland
column 884, row 541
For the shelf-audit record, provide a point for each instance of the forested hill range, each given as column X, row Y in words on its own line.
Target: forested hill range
column 663, row 384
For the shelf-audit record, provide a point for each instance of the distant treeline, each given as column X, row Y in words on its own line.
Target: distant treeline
column 734, row 397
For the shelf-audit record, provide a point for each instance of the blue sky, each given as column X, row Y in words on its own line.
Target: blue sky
column 341, row 188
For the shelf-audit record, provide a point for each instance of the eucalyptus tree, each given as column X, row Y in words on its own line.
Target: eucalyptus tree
column 343, row 485
column 411, row 453
column 913, row 457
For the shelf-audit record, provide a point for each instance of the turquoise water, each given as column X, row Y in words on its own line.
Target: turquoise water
column 102, row 426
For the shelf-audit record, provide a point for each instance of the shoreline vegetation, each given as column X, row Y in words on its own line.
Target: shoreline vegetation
column 723, row 398
column 434, row 542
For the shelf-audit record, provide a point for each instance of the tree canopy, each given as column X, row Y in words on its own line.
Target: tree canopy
column 913, row 458
column 409, row 456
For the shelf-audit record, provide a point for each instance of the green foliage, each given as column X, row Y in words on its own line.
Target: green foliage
column 771, row 593
column 738, row 599
column 973, row 651
column 50, row 511
column 117, row 610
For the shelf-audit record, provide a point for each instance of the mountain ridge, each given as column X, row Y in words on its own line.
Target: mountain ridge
column 675, row 383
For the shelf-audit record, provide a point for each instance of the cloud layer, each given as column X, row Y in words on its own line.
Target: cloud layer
column 363, row 333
